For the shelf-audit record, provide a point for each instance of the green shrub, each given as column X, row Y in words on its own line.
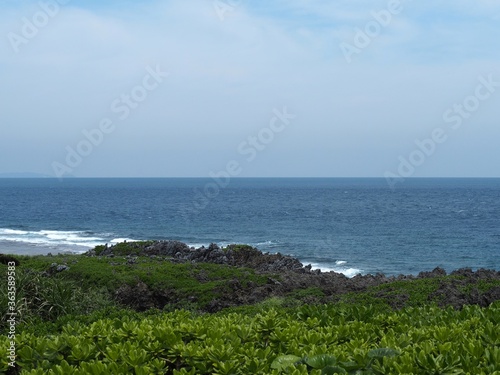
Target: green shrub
column 324, row 339
column 44, row 298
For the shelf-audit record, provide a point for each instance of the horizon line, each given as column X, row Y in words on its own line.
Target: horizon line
column 242, row 178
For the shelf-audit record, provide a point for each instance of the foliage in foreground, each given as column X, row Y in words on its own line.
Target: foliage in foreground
column 90, row 284
column 42, row 299
column 324, row 339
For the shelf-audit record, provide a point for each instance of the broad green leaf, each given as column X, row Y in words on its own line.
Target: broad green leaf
column 351, row 366
column 322, row 360
column 382, row 352
column 331, row 370
column 284, row 361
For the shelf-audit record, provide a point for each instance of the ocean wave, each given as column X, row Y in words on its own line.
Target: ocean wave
column 81, row 241
column 114, row 241
column 223, row 244
column 268, row 244
column 197, row 245
column 347, row 271
column 58, row 239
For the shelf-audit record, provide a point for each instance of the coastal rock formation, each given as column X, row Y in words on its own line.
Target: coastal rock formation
column 233, row 255
column 287, row 275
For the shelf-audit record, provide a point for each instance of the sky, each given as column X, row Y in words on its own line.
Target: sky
column 240, row 88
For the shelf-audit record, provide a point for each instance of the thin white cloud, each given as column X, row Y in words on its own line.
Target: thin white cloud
column 227, row 76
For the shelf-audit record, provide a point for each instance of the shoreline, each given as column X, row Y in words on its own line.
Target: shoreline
column 155, row 274
column 33, row 249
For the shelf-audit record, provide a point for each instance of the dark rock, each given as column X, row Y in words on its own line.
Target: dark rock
column 166, row 248
column 216, row 305
column 55, row 268
column 436, row 272
column 202, row 276
column 293, row 276
column 213, row 246
column 235, row 284
column 139, row 297
column 466, row 272
column 491, row 296
column 270, row 280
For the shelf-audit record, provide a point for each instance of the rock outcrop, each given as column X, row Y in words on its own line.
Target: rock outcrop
column 287, row 275
column 233, row 255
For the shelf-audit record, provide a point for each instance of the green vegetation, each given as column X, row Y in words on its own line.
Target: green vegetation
column 91, row 282
column 148, row 315
column 239, row 247
column 398, row 293
column 41, row 299
column 416, row 292
column 323, row 339
column 328, row 364
column 307, row 295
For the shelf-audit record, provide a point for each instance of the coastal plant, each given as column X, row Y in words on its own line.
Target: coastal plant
column 278, row 340
column 328, row 364
column 44, row 298
column 170, row 285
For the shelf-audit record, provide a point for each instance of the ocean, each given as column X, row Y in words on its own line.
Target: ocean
column 342, row 224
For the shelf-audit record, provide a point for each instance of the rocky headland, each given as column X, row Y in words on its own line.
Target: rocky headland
column 287, row 276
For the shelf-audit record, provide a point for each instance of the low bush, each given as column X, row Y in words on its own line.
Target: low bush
column 325, row 339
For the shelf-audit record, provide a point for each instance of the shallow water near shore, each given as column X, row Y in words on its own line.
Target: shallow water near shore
column 345, row 225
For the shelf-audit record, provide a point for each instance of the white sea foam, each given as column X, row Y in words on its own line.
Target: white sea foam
column 118, row 240
column 347, row 271
column 54, row 239
column 81, row 241
column 12, row 232
column 267, row 244
column 207, row 244
column 197, row 245
column 259, row 245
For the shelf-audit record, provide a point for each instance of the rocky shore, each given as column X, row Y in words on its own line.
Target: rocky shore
column 287, row 275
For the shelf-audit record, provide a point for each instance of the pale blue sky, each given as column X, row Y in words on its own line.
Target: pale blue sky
column 229, row 71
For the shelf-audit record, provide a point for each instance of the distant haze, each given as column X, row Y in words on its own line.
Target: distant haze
column 293, row 88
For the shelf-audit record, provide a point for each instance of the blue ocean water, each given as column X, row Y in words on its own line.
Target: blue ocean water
column 347, row 225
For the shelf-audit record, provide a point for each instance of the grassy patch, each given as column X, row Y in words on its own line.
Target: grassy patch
column 311, row 295
column 238, row 247
column 397, row 294
column 177, row 285
column 482, row 286
column 43, row 298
